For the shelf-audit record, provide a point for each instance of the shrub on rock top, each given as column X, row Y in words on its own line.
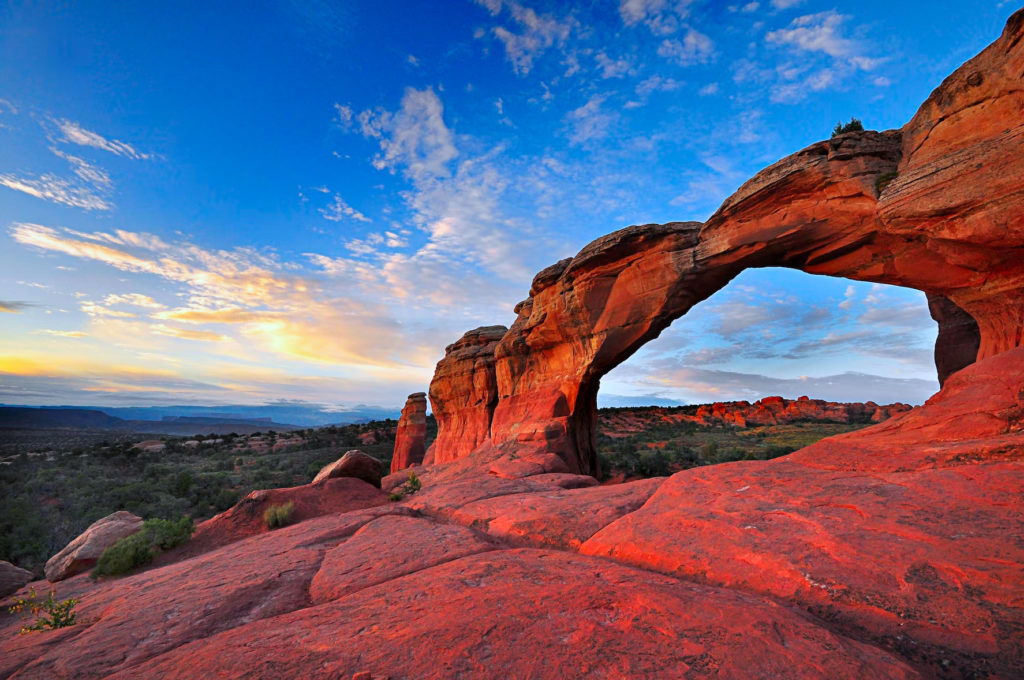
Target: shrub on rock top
column 278, row 515
column 853, row 126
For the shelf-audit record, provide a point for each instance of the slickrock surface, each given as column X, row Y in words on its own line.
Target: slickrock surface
column 908, row 531
column 532, row 614
column 82, row 553
column 411, row 434
column 355, row 464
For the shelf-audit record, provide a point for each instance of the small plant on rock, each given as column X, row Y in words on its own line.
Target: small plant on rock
column 853, row 126
column 278, row 515
column 410, row 487
column 49, row 612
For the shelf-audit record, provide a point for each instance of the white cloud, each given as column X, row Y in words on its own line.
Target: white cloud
column 662, row 17
column 415, row 138
column 694, row 48
column 536, row 33
column 821, row 32
column 50, row 187
column 338, row 210
column 75, row 134
column 656, row 83
column 590, row 121
column 614, row 68
column 708, row 90
column 786, row 4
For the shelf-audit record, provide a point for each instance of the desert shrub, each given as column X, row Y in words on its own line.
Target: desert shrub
column 853, row 126
column 49, row 612
column 410, row 487
column 139, row 549
column 278, row 515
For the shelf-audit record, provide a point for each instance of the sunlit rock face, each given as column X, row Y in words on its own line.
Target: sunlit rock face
column 934, row 206
column 463, row 394
column 410, row 437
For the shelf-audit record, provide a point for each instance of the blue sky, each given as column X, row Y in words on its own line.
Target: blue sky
column 227, row 203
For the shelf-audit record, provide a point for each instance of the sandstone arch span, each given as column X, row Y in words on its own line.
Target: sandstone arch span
column 933, row 206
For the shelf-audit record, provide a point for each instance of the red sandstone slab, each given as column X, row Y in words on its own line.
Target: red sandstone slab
column 558, row 518
column 532, row 614
column 390, row 547
column 126, row 620
column 921, row 559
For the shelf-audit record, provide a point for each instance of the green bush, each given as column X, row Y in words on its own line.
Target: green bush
column 853, row 126
column 278, row 515
column 139, row 549
column 410, row 487
column 50, row 613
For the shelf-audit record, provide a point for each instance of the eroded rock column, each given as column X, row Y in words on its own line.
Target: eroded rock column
column 411, row 434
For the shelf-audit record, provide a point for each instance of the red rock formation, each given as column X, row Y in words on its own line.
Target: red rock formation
column 82, row 553
column 463, row 393
column 895, row 541
column 528, row 614
column 894, row 530
column 778, row 411
column 355, row 464
column 891, row 207
column 411, row 434
column 890, row 552
column 245, row 518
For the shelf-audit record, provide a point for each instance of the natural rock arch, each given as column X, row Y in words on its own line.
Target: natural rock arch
column 933, row 206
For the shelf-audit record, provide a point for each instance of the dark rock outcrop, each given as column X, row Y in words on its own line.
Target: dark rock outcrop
column 12, row 578
column 355, row 464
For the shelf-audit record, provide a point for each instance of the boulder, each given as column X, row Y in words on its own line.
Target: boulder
column 411, row 434
column 355, row 464
column 12, row 578
column 82, row 553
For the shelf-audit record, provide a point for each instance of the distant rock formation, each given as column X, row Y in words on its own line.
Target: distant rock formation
column 767, row 411
column 411, row 434
column 355, row 464
column 84, row 551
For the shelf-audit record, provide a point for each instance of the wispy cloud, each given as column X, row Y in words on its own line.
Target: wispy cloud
column 532, row 34
column 74, row 133
column 591, row 121
column 338, row 210
column 694, row 48
column 50, row 187
column 661, row 16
